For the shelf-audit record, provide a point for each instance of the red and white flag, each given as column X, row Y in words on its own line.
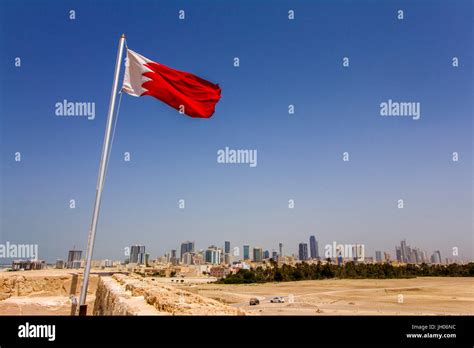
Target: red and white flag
column 183, row 91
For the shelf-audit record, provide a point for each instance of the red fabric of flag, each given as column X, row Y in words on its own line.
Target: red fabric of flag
column 183, row 91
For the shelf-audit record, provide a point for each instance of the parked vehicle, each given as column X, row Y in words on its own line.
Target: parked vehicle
column 254, row 301
column 277, row 299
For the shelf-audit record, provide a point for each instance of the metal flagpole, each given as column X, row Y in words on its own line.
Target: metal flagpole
column 101, row 178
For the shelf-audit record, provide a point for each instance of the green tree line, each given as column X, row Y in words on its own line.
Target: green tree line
column 350, row 270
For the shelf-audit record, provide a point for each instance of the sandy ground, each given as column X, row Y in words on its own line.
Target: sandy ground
column 48, row 292
column 50, row 305
column 44, row 292
column 419, row 296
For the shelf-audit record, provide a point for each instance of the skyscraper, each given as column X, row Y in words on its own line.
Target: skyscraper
column 424, row 257
column 436, row 257
column 378, row 256
column 257, row 254
column 303, row 251
column 409, row 255
column 186, row 247
column 416, row 256
column 266, row 254
column 246, row 252
column 280, row 246
column 227, row 257
column 188, row 258
column 404, row 251
column 313, row 246
column 398, row 252
column 173, row 258
column 137, row 254
column 213, row 255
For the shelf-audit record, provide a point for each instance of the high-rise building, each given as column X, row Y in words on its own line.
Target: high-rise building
column 198, row 258
column 406, row 254
column 74, row 259
column 303, row 251
column 398, row 252
column 257, row 254
column 186, row 247
column 409, row 255
column 313, row 247
column 404, row 251
column 246, row 252
column 436, row 257
column 188, row 258
column 173, row 258
column 227, row 258
column 213, row 255
column 137, row 254
column 280, row 246
column 208, row 256
column 274, row 255
column 266, row 254
column 142, row 255
column 424, row 257
column 378, row 256
column 416, row 256
column 386, row 256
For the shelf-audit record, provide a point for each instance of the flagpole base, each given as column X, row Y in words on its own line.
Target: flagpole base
column 82, row 310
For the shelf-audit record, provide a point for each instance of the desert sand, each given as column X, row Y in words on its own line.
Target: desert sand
column 418, row 296
column 48, row 292
column 44, row 292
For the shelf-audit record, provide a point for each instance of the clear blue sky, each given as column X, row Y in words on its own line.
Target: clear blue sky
column 282, row 62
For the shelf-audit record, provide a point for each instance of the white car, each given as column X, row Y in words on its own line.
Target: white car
column 277, row 299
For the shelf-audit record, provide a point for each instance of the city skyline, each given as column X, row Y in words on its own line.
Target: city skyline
column 303, row 252
column 293, row 250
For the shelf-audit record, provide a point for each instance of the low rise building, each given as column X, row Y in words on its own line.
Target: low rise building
column 219, row 272
column 28, row 265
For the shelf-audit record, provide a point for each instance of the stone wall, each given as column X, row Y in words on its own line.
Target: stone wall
column 48, row 292
column 43, row 292
column 130, row 295
column 36, row 283
column 112, row 298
